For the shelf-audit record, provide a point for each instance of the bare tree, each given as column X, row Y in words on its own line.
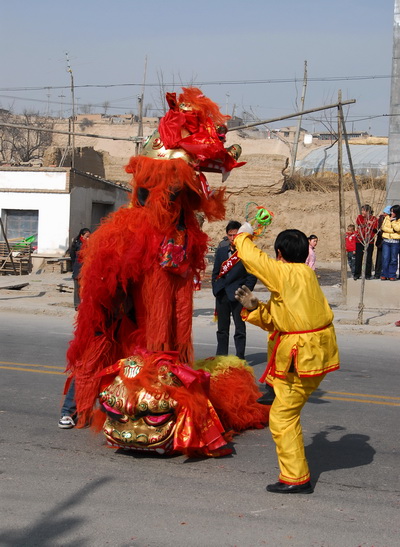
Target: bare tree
column 6, row 136
column 106, row 106
column 162, row 107
column 86, row 108
column 22, row 145
column 367, row 228
column 85, row 123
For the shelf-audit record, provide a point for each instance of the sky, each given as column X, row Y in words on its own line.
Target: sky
column 246, row 55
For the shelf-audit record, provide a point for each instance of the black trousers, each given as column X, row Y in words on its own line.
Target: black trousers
column 359, row 259
column 225, row 308
column 77, row 298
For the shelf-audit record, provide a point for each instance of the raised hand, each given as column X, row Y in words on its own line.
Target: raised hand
column 244, row 295
column 247, row 228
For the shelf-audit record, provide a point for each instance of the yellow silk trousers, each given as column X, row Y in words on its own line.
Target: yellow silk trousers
column 291, row 394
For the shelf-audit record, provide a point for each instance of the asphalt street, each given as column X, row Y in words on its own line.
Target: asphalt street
column 65, row 487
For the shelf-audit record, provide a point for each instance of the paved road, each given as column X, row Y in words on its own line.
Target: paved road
column 64, row 487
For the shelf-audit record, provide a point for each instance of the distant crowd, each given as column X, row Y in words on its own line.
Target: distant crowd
column 380, row 233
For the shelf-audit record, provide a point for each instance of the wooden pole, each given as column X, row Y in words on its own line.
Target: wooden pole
column 8, row 246
column 294, row 115
column 140, row 112
column 73, row 113
column 342, row 208
column 296, row 138
column 353, row 176
column 69, row 133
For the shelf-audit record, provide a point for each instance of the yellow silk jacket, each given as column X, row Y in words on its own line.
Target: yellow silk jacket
column 297, row 314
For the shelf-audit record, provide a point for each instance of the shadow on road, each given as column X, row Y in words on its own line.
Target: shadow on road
column 351, row 450
column 208, row 312
column 24, row 297
column 49, row 529
column 256, row 358
column 316, row 397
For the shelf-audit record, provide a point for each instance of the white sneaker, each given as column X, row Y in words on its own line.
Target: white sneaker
column 66, row 422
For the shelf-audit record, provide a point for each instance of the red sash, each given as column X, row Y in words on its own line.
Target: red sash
column 270, row 369
column 228, row 264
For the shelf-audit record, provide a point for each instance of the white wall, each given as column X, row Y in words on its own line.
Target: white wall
column 53, row 217
column 38, row 180
column 61, row 214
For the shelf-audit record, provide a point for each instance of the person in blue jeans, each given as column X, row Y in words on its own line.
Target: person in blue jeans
column 68, row 410
column 390, row 244
column 76, row 247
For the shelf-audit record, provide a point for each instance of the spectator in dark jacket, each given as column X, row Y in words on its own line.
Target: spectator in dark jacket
column 229, row 274
column 76, row 246
column 68, row 410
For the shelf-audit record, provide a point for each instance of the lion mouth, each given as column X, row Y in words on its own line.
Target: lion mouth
column 157, row 420
column 154, row 420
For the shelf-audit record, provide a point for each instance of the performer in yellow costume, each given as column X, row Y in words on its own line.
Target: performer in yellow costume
column 302, row 345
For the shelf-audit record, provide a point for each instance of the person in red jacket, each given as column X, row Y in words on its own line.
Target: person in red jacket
column 367, row 226
column 350, row 242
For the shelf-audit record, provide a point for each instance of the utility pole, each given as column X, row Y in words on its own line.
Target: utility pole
column 48, row 101
column 346, row 140
column 139, row 144
column 73, row 113
column 342, row 208
column 296, row 138
column 227, row 95
column 393, row 171
column 62, row 96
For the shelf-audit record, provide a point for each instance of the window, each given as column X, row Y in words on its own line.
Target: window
column 20, row 223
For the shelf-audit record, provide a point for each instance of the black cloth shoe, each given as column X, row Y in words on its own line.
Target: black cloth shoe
column 268, row 397
column 282, row 488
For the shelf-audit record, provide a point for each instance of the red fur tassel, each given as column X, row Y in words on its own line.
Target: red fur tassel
column 234, row 396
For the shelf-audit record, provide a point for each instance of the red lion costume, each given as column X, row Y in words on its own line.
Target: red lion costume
column 139, row 265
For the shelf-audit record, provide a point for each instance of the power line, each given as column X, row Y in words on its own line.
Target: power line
column 204, row 83
column 67, row 103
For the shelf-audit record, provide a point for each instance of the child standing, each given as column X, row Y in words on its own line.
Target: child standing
column 312, row 243
column 351, row 237
column 302, row 348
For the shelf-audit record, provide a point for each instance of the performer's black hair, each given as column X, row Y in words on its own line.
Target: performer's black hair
column 293, row 245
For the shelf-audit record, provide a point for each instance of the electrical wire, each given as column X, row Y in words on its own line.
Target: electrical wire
column 216, row 82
